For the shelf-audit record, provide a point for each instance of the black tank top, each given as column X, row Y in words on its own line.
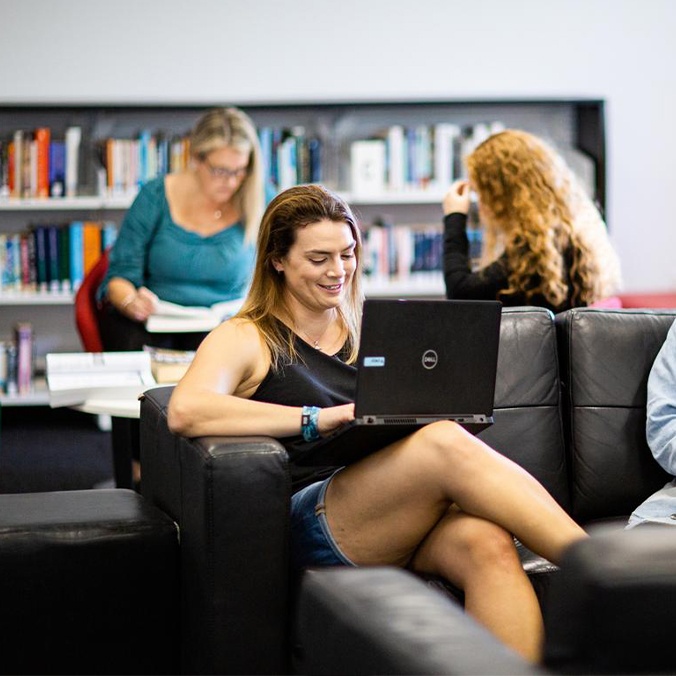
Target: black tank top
column 314, row 379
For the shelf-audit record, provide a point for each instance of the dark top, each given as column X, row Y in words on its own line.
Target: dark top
column 315, row 379
column 490, row 282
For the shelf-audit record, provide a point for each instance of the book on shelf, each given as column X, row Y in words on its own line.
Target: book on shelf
column 42, row 137
column 75, row 377
column 11, row 263
column 4, row 275
column 16, row 164
column 169, row 366
column 368, row 167
column 174, row 318
column 41, row 264
column 4, row 169
column 73, row 139
column 57, row 168
column 53, row 259
column 396, row 164
column 91, row 244
column 23, row 338
column 11, row 366
column 76, row 253
column 445, row 142
column 64, row 258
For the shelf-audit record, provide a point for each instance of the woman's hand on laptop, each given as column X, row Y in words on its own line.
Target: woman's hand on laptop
column 333, row 417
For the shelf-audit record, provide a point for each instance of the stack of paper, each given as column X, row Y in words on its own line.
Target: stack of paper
column 75, row 377
column 173, row 318
column 169, row 366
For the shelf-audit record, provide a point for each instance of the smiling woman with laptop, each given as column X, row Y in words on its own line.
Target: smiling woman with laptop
column 424, row 492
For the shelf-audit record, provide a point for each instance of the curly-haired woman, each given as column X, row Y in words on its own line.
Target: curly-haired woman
column 544, row 242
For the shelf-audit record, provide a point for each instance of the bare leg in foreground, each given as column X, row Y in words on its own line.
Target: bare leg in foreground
column 393, row 508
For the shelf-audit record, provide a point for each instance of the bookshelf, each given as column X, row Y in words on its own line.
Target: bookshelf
column 327, row 133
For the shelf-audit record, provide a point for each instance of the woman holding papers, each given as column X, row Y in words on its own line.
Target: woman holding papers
column 439, row 501
column 544, row 241
column 188, row 238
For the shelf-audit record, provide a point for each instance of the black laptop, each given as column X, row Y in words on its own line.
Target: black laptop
column 419, row 361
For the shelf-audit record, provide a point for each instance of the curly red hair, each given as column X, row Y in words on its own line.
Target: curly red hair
column 537, row 213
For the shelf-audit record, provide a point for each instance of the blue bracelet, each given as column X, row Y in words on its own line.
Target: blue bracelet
column 308, row 423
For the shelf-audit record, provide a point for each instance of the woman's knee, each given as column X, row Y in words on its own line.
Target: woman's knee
column 446, row 442
column 487, row 545
column 463, row 547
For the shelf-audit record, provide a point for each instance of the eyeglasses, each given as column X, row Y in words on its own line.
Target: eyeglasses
column 224, row 172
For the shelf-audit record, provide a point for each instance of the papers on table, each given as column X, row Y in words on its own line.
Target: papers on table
column 169, row 366
column 76, row 377
column 173, row 318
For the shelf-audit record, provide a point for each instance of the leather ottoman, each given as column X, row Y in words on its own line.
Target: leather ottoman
column 88, row 584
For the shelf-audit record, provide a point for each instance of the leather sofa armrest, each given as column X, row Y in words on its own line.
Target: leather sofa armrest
column 387, row 621
column 231, row 498
column 611, row 607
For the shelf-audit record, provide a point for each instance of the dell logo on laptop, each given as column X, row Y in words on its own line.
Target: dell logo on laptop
column 430, row 359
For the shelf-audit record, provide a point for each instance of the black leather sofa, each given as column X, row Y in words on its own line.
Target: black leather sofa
column 570, row 407
column 608, row 610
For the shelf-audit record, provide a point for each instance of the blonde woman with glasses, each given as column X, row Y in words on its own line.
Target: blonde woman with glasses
column 189, row 236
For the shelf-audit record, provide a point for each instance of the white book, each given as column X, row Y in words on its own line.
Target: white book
column 75, row 377
column 445, row 136
column 174, row 318
column 396, row 164
column 73, row 139
column 367, row 167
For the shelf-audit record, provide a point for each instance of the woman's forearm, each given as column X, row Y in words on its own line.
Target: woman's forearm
column 121, row 293
column 195, row 414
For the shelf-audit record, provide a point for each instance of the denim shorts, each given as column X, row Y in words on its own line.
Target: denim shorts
column 311, row 541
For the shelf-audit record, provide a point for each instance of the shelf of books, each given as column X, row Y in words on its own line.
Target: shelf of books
column 46, row 263
column 37, row 395
column 79, row 203
column 66, row 169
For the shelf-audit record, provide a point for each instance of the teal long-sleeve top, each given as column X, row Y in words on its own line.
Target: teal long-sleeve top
column 178, row 265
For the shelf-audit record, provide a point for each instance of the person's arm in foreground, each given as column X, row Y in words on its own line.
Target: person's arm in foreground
column 661, row 407
column 213, row 396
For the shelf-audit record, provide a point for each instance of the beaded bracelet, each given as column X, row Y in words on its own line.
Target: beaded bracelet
column 308, row 422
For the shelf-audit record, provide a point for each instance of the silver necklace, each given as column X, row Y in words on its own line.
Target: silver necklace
column 316, row 342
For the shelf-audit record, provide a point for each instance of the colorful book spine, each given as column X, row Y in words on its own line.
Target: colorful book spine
column 24, row 239
column 91, row 244
column 64, row 258
column 3, row 262
column 108, row 234
column 41, row 265
column 42, row 136
column 76, row 247
column 53, row 259
column 57, row 168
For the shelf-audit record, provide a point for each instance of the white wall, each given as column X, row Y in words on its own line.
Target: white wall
column 248, row 51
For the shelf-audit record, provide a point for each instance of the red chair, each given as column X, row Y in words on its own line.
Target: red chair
column 87, row 307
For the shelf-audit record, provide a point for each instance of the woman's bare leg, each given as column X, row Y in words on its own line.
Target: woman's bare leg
column 382, row 507
column 481, row 559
